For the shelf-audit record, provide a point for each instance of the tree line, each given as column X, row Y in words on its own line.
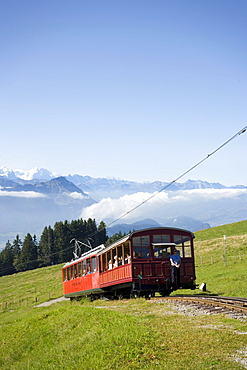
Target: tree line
column 55, row 245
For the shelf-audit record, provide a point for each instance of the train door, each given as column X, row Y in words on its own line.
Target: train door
column 184, row 247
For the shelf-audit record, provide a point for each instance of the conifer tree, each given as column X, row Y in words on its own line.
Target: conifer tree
column 6, row 260
column 101, row 235
column 46, row 247
column 28, row 258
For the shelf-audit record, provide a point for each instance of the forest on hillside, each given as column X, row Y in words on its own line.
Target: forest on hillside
column 55, row 245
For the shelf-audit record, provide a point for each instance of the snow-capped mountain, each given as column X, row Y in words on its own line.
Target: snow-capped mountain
column 28, row 175
column 31, row 200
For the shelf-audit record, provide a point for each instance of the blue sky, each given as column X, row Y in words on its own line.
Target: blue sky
column 137, row 90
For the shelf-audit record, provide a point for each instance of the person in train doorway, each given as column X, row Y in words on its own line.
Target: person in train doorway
column 175, row 261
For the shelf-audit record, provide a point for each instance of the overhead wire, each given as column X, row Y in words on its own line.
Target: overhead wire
column 243, row 130
column 179, row 177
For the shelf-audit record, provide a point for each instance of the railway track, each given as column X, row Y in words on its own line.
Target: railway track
column 212, row 304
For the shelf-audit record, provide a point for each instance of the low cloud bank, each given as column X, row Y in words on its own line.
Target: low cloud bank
column 21, row 194
column 161, row 205
column 76, row 195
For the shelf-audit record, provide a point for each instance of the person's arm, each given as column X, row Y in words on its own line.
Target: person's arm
column 172, row 262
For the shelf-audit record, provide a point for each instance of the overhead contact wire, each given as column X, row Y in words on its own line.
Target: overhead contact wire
column 158, row 192
column 179, row 177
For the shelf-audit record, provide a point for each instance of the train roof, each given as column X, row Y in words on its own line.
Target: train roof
column 129, row 236
column 102, row 248
column 90, row 253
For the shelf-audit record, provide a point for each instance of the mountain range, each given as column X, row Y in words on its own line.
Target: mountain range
column 31, row 200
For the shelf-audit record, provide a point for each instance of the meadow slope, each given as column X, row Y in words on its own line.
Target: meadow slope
column 128, row 334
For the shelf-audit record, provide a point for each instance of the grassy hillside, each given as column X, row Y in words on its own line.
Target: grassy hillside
column 222, row 276
column 220, row 263
column 129, row 334
column 237, row 228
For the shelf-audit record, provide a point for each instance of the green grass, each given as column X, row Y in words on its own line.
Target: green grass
column 129, row 334
column 31, row 287
column 224, row 276
column 237, row 228
column 134, row 334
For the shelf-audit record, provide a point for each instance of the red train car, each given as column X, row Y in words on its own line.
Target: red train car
column 136, row 265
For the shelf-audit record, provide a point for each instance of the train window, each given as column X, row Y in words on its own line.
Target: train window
column 115, row 258
column 141, row 252
column 75, row 271
column 88, row 265
column 84, row 267
column 141, row 241
column 127, row 253
column 93, row 264
column 79, row 269
column 165, row 238
column 104, row 266
column 178, row 239
column 187, row 251
column 120, row 255
column 141, row 247
column 161, row 252
column 109, row 260
column 68, row 273
column 186, row 240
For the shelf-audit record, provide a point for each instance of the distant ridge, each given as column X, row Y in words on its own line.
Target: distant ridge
column 187, row 223
column 31, row 200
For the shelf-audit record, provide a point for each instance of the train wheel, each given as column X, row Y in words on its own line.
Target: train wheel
column 165, row 293
column 147, row 295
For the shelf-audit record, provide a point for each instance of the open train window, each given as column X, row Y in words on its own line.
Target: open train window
column 88, row 265
column 93, row 264
column 126, row 252
column 104, row 266
column 84, row 268
column 162, row 250
column 79, row 269
column 183, row 245
column 72, row 271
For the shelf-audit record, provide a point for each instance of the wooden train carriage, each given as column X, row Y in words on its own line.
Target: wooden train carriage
column 137, row 264
column 81, row 276
column 140, row 262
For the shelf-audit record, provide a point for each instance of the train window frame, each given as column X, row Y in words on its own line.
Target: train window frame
column 163, row 238
column 120, row 255
column 162, row 250
column 141, row 247
column 79, row 269
column 126, row 252
column 183, row 245
column 88, row 265
column 103, row 262
column 187, row 251
column 94, row 264
column 141, row 241
column 84, row 267
column 75, row 270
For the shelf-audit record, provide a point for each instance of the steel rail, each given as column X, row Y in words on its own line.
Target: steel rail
column 212, row 303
